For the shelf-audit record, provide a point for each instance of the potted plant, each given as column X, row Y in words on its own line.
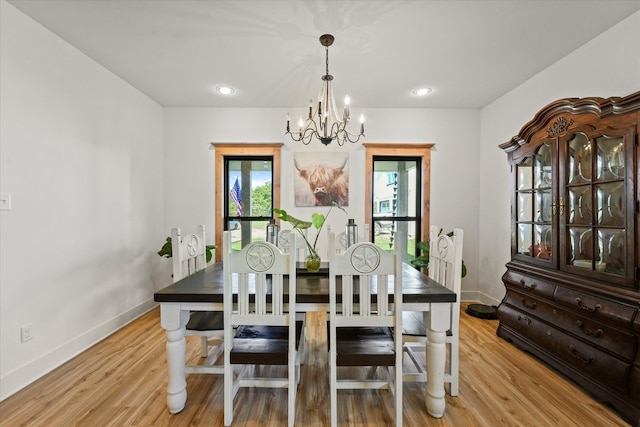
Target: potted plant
column 317, row 221
column 423, row 260
column 167, row 250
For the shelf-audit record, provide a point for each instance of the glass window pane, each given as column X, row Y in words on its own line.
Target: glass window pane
column 579, row 159
column 610, row 200
column 394, row 187
column 542, row 167
column 610, row 161
column 579, row 204
column 543, row 206
column 543, row 242
column 611, row 251
column 580, row 247
column 524, row 204
column 524, row 239
column 525, row 172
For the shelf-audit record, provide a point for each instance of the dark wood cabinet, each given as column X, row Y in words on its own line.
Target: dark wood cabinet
column 572, row 284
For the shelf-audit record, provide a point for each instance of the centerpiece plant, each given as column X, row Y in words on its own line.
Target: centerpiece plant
column 317, row 221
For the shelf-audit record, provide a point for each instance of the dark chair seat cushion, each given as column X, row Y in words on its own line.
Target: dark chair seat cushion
column 365, row 346
column 206, row 321
column 263, row 345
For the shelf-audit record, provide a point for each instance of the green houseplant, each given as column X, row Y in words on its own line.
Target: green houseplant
column 167, row 250
column 317, row 221
column 423, row 260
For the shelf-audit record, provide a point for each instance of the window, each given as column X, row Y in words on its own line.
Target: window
column 248, row 197
column 398, row 191
column 245, row 208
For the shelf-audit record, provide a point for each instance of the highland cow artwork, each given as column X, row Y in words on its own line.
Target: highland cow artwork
column 321, row 178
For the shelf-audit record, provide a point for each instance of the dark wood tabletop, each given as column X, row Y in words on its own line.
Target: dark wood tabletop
column 208, row 286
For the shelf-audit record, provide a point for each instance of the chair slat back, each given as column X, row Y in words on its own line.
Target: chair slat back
column 187, row 253
column 375, row 270
column 445, row 258
column 255, row 277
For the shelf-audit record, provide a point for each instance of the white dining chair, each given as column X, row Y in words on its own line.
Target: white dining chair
column 337, row 242
column 445, row 267
column 290, row 239
column 362, row 334
column 267, row 332
column 189, row 256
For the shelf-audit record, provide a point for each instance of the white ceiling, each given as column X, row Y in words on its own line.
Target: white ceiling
column 469, row 52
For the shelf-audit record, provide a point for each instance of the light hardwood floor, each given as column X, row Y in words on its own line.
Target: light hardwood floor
column 121, row 382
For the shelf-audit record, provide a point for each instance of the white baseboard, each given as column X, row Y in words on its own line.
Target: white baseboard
column 23, row 376
column 477, row 296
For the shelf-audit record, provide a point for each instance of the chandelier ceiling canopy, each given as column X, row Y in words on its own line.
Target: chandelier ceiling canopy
column 325, row 123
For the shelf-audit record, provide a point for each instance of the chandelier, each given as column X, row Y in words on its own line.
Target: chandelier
column 325, row 123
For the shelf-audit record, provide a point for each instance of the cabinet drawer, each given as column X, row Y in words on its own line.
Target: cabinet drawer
column 578, row 354
column 528, row 284
column 596, row 307
column 610, row 339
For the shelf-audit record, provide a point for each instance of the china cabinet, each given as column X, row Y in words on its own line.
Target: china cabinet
column 572, row 284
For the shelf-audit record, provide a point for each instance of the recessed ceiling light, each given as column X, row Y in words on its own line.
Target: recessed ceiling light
column 421, row 91
column 225, row 90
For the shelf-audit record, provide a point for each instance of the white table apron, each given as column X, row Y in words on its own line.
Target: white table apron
column 174, row 317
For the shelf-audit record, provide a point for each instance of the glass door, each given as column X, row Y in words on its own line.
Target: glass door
column 535, row 206
column 597, row 225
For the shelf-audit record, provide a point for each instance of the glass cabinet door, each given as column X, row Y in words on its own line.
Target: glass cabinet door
column 594, row 207
column 535, row 206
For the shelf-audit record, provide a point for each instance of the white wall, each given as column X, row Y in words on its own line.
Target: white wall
column 189, row 164
column 81, row 153
column 608, row 65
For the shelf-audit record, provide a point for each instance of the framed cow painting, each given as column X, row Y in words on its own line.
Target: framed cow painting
column 321, row 178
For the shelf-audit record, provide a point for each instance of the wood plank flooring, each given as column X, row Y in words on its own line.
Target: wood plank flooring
column 121, row 381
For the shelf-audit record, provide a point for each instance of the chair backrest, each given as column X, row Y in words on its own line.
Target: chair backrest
column 375, row 270
column 188, row 252
column 288, row 239
column 445, row 265
column 255, row 277
column 337, row 242
column 445, row 258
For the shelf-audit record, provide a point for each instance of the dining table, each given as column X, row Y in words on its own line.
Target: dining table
column 203, row 291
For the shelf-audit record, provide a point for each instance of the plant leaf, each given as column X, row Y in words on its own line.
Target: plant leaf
column 166, row 250
column 297, row 223
column 317, row 220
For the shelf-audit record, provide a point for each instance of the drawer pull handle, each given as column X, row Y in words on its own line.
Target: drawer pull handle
column 586, row 308
column 597, row 334
column 526, row 320
column 527, row 285
column 531, row 306
column 575, row 354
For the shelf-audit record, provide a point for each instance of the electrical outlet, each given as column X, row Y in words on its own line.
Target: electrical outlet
column 26, row 333
column 5, row 201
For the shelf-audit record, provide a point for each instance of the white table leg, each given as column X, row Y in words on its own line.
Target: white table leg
column 438, row 322
column 174, row 320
